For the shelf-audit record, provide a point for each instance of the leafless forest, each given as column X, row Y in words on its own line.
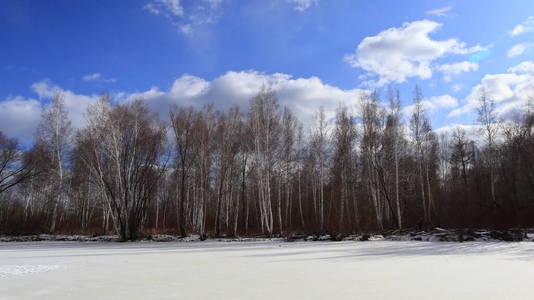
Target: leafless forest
column 260, row 171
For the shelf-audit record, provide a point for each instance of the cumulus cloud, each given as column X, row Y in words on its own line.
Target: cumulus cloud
column 440, row 12
column 303, row 96
column 526, row 26
column 519, row 49
column 76, row 104
column 434, row 104
column 526, row 67
column 444, row 101
column 302, row 5
column 401, row 52
column 186, row 19
column 510, row 91
column 97, row 77
column 450, row 70
column 20, row 116
column 472, row 131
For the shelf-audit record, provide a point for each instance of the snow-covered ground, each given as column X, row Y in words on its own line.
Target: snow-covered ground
column 267, row 270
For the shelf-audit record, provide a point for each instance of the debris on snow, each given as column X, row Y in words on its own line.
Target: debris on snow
column 436, row 234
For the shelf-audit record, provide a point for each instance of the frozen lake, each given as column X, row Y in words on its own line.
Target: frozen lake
column 267, row 270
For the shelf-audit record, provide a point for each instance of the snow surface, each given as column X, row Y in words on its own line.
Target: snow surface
column 267, row 270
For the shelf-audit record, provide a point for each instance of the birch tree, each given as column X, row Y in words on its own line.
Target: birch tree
column 265, row 129
column 55, row 131
column 417, row 121
column 227, row 150
column 344, row 138
column 487, row 119
column 394, row 141
column 123, row 151
column 183, row 122
column 370, row 148
column 319, row 151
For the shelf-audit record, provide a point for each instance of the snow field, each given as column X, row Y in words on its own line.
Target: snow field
column 266, row 270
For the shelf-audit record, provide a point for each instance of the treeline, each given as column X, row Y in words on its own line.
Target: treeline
column 260, row 172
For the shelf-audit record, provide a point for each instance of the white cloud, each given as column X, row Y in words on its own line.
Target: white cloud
column 398, row 53
column 472, row 131
column 476, row 132
column 165, row 7
column 510, row 91
column 456, row 87
column 433, row 104
column 526, row 67
column 446, row 101
column 440, row 12
column 98, row 77
column 187, row 19
column 76, row 104
column 186, row 29
column 519, row 49
column 303, row 96
column 302, row 5
column 91, row 77
column 450, row 70
column 19, row 117
column 526, row 26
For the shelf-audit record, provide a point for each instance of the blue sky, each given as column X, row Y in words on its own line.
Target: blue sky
column 314, row 52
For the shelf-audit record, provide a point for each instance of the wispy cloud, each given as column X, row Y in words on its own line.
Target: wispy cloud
column 98, row 78
column 456, row 87
column 165, row 7
column 526, row 26
column 440, row 12
column 186, row 19
column 519, row 49
column 302, row 5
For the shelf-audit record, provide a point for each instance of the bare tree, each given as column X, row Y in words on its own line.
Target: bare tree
column 344, row 139
column 319, row 151
column 300, row 153
column 371, row 148
column 227, row 150
column 393, row 140
column 461, row 155
column 183, row 122
column 232, row 173
column 201, row 153
column 287, row 157
column 55, row 131
column 16, row 166
column 122, row 150
column 265, row 128
column 417, row 124
column 488, row 120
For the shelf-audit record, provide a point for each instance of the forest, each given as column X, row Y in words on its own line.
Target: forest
column 260, row 171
